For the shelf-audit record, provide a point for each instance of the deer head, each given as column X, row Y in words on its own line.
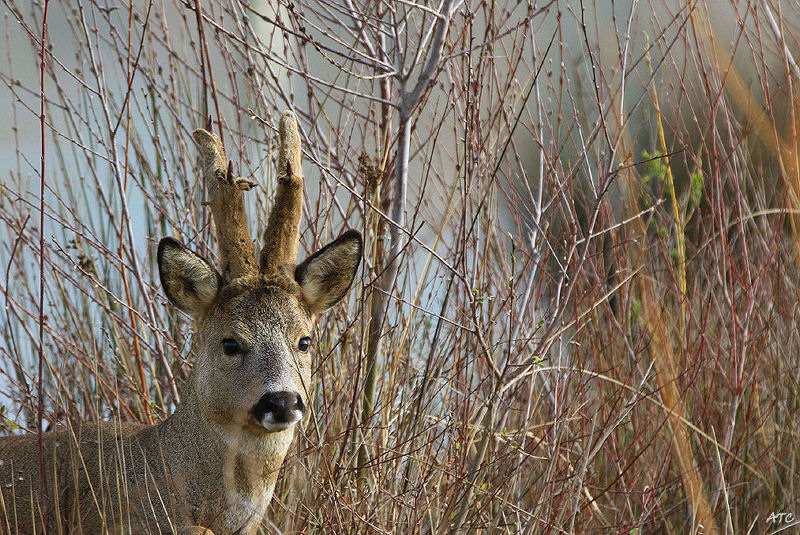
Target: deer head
column 254, row 317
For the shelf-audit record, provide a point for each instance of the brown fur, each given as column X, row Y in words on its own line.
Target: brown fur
column 283, row 226
column 227, row 206
column 211, row 467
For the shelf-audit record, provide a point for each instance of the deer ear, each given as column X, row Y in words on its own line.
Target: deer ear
column 326, row 276
column 188, row 280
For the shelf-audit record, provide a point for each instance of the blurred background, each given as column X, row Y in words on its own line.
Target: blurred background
column 578, row 303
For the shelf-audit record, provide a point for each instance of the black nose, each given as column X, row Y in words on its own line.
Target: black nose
column 279, row 408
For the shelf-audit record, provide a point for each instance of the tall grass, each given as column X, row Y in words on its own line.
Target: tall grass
column 579, row 300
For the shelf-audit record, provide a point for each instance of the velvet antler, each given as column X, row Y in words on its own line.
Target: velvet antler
column 282, row 235
column 236, row 255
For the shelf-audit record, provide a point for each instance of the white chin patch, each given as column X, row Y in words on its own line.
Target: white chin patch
column 269, row 423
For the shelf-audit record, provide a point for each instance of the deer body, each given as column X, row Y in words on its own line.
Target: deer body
column 211, row 467
column 171, row 478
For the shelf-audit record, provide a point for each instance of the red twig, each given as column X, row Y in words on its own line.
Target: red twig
column 40, row 409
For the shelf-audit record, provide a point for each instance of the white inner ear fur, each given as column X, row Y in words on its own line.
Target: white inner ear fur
column 192, row 268
column 329, row 274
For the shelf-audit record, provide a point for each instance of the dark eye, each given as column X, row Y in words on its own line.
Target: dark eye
column 230, row 346
column 304, row 344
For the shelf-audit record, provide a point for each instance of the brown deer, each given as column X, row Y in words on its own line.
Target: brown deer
column 210, row 467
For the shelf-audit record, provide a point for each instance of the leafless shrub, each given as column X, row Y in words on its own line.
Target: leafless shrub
column 578, row 304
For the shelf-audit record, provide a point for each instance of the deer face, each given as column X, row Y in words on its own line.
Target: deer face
column 259, row 348
column 254, row 318
column 254, row 345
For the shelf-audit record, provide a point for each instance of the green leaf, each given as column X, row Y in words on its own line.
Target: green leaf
column 698, row 179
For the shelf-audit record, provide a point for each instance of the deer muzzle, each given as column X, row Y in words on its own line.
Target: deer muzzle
column 277, row 411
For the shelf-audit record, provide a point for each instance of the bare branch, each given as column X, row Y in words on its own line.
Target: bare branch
column 425, row 78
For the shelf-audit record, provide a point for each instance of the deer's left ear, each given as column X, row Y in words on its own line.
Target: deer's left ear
column 326, row 276
column 188, row 280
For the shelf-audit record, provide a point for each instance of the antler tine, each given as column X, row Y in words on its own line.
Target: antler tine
column 282, row 234
column 236, row 255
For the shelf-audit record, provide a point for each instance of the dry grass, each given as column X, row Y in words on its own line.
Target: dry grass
column 567, row 332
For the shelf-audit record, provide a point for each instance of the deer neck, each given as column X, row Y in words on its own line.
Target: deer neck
column 214, row 467
column 201, row 441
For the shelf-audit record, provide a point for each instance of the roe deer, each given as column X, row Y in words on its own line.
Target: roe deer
column 210, row 467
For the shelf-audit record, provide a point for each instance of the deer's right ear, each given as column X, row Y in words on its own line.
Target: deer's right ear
column 188, row 280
